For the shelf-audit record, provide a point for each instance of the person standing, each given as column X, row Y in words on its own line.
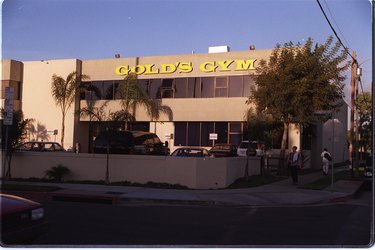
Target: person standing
column 326, row 159
column 295, row 163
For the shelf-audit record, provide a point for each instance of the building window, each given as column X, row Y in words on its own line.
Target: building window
column 207, row 87
column 194, row 90
column 235, row 86
column 180, row 129
column 198, row 133
column 221, row 87
column 191, row 87
column 248, row 83
column 235, row 133
column 155, row 88
column 206, row 129
column 181, row 88
column 167, row 88
column 108, row 89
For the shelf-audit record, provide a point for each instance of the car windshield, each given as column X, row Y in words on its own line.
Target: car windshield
column 190, row 152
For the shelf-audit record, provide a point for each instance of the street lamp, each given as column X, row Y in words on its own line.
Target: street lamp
column 330, row 114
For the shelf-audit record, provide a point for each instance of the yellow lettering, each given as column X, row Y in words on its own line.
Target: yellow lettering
column 224, row 65
column 122, row 70
column 168, row 68
column 138, row 69
column 245, row 64
column 208, row 67
column 185, row 67
column 149, row 69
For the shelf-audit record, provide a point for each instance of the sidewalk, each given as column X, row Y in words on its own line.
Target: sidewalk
column 281, row 193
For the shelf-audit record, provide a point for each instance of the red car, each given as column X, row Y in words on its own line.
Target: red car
column 22, row 220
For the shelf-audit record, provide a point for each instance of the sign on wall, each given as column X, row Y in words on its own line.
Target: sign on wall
column 187, row 67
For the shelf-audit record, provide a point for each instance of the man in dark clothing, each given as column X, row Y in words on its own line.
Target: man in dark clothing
column 295, row 163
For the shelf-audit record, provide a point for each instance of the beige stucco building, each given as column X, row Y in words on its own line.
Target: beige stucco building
column 205, row 93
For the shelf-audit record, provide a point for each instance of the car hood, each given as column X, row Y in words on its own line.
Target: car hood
column 11, row 204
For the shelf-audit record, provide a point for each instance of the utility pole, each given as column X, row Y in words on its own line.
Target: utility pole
column 353, row 108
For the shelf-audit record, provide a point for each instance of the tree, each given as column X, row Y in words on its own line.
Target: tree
column 364, row 106
column 132, row 94
column 298, row 80
column 12, row 135
column 64, row 94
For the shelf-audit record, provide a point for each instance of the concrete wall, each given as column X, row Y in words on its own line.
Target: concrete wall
column 196, row 173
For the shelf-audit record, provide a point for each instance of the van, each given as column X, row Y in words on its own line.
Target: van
column 129, row 142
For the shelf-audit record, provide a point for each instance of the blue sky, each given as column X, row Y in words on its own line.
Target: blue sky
column 96, row 29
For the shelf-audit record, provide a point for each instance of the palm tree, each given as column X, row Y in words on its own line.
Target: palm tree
column 64, row 93
column 132, row 94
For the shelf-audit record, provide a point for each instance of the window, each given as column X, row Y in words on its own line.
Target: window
column 235, row 135
column 108, row 89
column 181, row 88
column 167, row 88
column 207, row 87
column 180, row 133
column 194, row 87
column 194, row 134
column 235, row 86
column 206, row 129
column 155, row 88
column 221, row 128
column 221, row 89
column 97, row 90
column 248, row 83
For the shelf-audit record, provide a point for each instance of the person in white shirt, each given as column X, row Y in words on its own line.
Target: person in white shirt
column 326, row 159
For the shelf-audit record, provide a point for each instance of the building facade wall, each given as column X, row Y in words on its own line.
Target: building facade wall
column 39, row 105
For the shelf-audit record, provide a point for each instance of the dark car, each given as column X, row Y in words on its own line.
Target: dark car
column 223, row 150
column 129, row 142
column 40, row 146
column 191, row 152
column 22, row 220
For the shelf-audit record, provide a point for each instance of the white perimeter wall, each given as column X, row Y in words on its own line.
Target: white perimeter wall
column 196, row 173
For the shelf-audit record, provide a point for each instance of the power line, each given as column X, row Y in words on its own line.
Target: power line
column 334, row 31
column 338, row 27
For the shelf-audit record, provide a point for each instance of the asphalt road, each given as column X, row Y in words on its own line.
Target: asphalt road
column 85, row 224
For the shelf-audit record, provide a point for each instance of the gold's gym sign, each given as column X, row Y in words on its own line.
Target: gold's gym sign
column 187, row 67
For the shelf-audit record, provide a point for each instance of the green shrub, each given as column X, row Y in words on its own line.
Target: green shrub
column 57, row 173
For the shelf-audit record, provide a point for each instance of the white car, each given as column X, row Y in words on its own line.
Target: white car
column 255, row 148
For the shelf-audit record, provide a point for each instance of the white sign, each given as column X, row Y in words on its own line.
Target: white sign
column 9, row 106
column 213, row 136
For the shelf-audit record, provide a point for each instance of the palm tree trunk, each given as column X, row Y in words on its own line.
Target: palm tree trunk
column 62, row 129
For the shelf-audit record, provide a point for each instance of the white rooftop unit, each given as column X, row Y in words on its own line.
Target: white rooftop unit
column 218, row 49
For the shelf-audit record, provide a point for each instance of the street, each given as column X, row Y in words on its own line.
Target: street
column 339, row 224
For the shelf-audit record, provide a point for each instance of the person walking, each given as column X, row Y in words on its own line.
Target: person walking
column 326, row 160
column 295, row 163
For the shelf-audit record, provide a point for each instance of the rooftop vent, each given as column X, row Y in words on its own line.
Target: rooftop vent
column 218, row 49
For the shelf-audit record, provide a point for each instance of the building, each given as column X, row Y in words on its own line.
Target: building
column 205, row 93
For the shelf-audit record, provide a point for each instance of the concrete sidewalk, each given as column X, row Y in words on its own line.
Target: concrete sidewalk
column 281, row 193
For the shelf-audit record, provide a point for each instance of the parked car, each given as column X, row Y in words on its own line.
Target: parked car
column 191, row 152
column 368, row 173
column 40, row 146
column 129, row 142
column 223, row 150
column 22, row 220
column 256, row 148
